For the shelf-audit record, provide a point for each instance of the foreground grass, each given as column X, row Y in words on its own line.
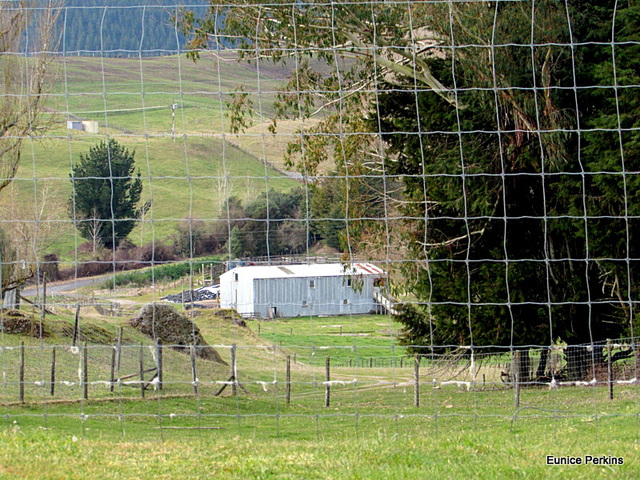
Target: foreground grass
column 475, row 453
column 371, row 430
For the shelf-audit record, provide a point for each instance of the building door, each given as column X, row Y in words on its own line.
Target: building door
column 311, row 295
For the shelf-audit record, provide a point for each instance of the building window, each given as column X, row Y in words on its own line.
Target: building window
column 304, row 303
column 312, row 284
column 235, row 277
column 345, row 302
column 348, row 282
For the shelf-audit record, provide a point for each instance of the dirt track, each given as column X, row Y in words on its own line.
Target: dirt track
column 58, row 288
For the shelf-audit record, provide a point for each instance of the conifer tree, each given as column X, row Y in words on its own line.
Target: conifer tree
column 106, row 193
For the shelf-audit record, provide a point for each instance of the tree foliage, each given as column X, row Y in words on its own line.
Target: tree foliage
column 106, row 193
column 513, row 128
column 33, row 231
column 25, row 80
column 268, row 225
column 345, row 208
column 336, row 51
column 197, row 237
column 529, row 192
column 122, row 27
column 24, row 77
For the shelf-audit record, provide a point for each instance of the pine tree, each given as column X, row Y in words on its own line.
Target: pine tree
column 106, row 193
column 529, row 194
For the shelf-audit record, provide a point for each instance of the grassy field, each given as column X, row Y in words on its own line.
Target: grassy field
column 371, row 428
column 476, row 453
column 189, row 162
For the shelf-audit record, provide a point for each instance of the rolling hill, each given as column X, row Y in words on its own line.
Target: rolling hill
column 171, row 111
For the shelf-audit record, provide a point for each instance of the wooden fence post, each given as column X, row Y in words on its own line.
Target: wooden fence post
column 416, row 380
column 610, row 369
column 85, row 371
column 21, row 374
column 288, row 381
column 76, row 326
column 44, row 301
column 234, row 371
column 118, row 352
column 112, row 378
column 191, row 299
column 515, row 371
column 159, row 362
column 327, row 388
column 141, row 370
column 194, row 373
column 52, row 385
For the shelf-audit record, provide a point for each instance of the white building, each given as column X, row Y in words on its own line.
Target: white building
column 88, row 126
column 302, row 290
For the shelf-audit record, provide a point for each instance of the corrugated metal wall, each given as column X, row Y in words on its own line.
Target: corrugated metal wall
column 292, row 297
column 236, row 294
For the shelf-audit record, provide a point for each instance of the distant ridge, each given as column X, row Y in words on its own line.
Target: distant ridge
column 123, row 28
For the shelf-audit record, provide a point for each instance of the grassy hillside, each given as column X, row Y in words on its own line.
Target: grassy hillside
column 188, row 170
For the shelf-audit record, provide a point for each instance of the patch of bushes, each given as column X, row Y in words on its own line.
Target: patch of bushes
column 169, row 272
column 126, row 257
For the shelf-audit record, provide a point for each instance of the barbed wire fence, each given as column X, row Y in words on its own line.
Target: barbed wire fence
column 475, row 161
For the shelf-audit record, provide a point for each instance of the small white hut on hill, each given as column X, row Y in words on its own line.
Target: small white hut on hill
column 302, row 290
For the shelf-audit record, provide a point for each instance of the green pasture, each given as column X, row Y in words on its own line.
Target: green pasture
column 371, row 427
column 131, row 90
column 348, row 340
column 480, row 453
column 189, row 162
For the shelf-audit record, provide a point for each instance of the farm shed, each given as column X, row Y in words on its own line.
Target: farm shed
column 89, row 126
column 301, row 290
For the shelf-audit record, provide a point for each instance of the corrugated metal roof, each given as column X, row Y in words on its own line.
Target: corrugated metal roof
column 307, row 270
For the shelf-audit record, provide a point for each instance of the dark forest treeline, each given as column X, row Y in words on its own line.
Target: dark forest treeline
column 122, row 28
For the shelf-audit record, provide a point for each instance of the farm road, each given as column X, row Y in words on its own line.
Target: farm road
column 61, row 288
